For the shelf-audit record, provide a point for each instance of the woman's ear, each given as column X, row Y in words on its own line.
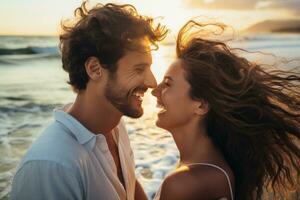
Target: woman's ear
column 93, row 68
column 202, row 107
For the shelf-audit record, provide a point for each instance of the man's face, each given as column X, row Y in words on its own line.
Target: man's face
column 126, row 87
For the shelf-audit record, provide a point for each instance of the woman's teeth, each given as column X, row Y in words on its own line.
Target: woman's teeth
column 161, row 107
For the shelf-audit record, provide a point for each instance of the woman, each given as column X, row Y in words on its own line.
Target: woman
column 236, row 125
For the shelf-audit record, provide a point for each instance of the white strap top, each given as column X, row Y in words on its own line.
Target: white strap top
column 157, row 196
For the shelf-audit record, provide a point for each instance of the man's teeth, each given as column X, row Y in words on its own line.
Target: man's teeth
column 139, row 95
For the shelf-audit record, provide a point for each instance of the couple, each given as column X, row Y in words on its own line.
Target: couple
column 235, row 124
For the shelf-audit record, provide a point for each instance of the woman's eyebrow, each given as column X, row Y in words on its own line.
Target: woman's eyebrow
column 168, row 77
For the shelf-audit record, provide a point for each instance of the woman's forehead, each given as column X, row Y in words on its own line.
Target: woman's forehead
column 175, row 68
column 176, row 71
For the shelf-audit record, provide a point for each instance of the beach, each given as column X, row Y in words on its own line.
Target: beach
column 32, row 84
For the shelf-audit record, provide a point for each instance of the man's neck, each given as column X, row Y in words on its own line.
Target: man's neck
column 97, row 115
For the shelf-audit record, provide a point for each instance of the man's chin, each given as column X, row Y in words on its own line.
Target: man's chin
column 128, row 110
column 134, row 113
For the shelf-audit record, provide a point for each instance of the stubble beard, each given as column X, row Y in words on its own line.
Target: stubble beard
column 120, row 99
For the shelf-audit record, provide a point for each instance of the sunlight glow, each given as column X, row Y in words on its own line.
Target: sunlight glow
column 208, row 1
column 43, row 17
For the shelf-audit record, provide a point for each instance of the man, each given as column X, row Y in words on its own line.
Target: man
column 85, row 153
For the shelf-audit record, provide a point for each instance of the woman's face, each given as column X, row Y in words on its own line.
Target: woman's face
column 177, row 107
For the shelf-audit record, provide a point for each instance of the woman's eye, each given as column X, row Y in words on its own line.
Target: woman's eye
column 166, row 84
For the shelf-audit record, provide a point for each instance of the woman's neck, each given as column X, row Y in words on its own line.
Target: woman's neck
column 194, row 145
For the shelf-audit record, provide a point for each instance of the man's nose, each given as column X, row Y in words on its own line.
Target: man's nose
column 150, row 80
column 154, row 91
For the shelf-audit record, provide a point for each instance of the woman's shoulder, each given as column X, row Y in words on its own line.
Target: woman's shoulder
column 188, row 182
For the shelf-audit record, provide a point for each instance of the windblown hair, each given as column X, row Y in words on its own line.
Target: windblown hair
column 254, row 116
column 106, row 32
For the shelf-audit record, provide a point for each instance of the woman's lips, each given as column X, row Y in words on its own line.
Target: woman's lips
column 161, row 107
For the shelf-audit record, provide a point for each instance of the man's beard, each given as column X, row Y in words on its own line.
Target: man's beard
column 121, row 99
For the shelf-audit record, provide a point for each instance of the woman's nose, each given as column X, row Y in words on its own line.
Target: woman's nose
column 155, row 91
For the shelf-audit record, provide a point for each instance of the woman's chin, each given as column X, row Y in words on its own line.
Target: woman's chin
column 159, row 123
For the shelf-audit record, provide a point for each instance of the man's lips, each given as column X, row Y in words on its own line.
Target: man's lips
column 139, row 93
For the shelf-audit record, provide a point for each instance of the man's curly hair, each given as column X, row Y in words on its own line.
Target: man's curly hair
column 106, row 32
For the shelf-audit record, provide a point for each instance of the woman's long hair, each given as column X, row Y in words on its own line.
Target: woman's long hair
column 254, row 116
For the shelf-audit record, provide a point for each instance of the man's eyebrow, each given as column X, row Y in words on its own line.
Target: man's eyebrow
column 142, row 65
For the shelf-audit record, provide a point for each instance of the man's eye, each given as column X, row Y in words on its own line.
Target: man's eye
column 139, row 70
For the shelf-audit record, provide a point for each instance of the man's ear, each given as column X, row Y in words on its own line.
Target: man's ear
column 93, row 68
column 202, row 107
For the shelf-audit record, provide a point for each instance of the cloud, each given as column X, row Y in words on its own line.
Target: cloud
column 222, row 4
column 290, row 5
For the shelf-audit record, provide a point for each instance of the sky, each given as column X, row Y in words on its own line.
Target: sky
column 43, row 17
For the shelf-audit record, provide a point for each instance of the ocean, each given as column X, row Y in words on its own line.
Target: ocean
column 32, row 84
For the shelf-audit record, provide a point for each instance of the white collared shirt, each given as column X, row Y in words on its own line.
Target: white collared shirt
column 69, row 162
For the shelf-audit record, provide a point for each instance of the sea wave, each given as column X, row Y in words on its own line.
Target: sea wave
column 12, row 56
column 29, row 50
column 19, row 59
column 30, row 107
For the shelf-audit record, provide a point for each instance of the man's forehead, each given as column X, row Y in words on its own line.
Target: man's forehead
column 142, row 44
column 140, row 54
column 141, row 47
column 136, row 57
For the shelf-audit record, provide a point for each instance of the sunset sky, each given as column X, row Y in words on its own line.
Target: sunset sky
column 42, row 17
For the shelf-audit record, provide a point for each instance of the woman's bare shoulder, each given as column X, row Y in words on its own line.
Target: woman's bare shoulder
column 188, row 183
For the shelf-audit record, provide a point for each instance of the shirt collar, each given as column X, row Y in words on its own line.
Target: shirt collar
column 81, row 133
